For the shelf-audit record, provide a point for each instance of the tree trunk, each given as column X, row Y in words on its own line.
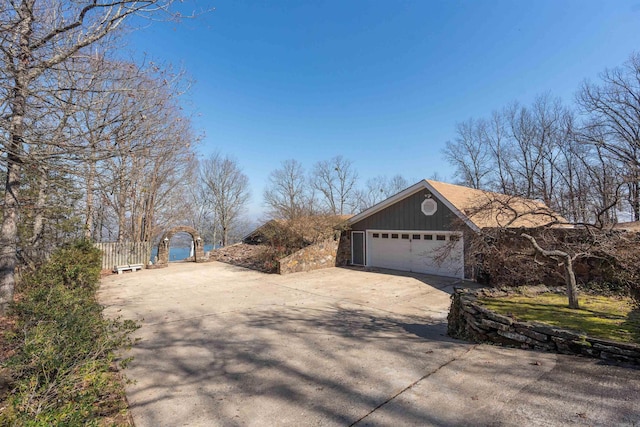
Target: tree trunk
column 149, row 217
column 9, row 230
column 121, row 203
column 18, row 104
column 36, row 240
column 224, row 236
column 88, row 221
column 122, row 221
column 567, row 262
column 570, row 280
column 636, row 198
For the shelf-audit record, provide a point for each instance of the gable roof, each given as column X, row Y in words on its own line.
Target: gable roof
column 476, row 208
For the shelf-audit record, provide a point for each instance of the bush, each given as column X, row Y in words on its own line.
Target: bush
column 67, row 349
column 75, row 265
column 284, row 237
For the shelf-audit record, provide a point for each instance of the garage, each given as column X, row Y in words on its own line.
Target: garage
column 422, row 229
column 417, row 230
column 431, row 252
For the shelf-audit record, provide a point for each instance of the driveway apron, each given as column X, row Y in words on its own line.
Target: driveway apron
column 225, row 346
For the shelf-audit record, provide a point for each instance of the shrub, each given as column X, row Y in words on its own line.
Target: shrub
column 75, row 265
column 62, row 368
column 284, row 237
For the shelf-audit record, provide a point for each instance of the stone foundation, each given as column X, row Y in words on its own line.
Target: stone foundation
column 469, row 320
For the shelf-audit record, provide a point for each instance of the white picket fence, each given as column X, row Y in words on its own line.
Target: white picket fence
column 124, row 253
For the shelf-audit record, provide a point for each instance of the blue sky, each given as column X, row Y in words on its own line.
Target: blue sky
column 382, row 83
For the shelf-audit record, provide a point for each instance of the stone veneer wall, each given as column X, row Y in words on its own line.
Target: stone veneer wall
column 313, row 257
column 468, row 319
column 343, row 257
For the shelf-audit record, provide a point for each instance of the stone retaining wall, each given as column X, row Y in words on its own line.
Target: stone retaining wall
column 469, row 320
column 343, row 257
column 313, row 257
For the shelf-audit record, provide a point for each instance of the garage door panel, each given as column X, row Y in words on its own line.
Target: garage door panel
column 389, row 253
column 418, row 253
column 445, row 258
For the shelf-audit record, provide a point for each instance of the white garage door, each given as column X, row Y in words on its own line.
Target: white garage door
column 439, row 253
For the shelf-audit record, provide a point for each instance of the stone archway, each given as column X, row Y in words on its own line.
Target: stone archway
column 163, row 245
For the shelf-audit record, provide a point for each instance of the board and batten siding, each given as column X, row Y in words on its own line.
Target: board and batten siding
column 406, row 214
column 124, row 253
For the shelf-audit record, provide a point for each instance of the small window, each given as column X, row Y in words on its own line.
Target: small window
column 429, row 207
column 405, row 236
column 376, row 235
column 428, row 237
column 441, row 237
column 385, row 235
column 454, row 238
column 416, row 237
column 394, row 236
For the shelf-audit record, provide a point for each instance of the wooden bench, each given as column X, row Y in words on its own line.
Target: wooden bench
column 127, row 267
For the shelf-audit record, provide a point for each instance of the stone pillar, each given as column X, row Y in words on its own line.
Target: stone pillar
column 198, row 249
column 163, row 251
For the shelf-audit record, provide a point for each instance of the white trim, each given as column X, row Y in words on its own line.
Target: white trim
column 364, row 247
column 421, row 185
column 448, row 204
column 367, row 242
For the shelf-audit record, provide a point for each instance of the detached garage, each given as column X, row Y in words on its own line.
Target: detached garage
column 422, row 229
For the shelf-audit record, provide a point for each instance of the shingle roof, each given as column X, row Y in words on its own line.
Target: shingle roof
column 628, row 226
column 488, row 209
column 477, row 208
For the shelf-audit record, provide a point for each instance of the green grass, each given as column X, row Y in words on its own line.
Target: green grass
column 611, row 318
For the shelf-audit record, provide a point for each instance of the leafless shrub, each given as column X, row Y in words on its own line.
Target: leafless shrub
column 284, row 237
column 603, row 260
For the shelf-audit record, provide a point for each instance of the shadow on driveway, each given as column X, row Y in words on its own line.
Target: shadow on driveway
column 224, row 346
column 328, row 366
column 345, row 366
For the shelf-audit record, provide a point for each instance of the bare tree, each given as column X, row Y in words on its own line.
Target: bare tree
column 103, row 92
column 379, row 188
column 287, row 195
column 527, row 154
column 584, row 171
column 35, row 37
column 335, row 181
column 43, row 175
column 523, row 220
column 613, row 109
column 497, row 137
column 226, row 190
column 522, row 241
column 470, row 153
column 150, row 146
column 203, row 216
column 534, row 152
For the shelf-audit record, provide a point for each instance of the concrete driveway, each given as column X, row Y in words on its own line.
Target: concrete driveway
column 225, row 346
